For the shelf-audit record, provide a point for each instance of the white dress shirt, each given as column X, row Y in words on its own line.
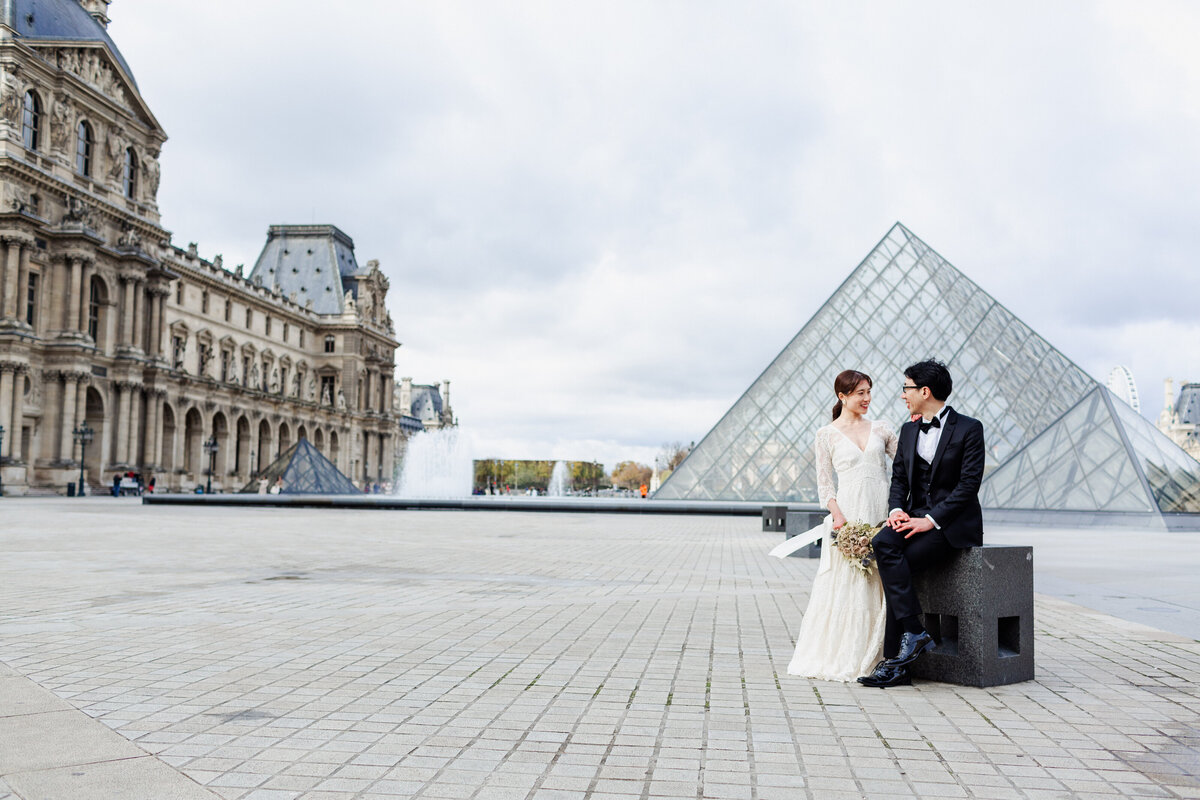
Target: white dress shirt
column 927, row 442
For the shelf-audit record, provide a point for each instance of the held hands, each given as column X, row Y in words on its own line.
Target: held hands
column 910, row 527
column 896, row 519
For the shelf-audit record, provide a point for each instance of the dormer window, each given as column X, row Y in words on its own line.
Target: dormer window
column 129, row 173
column 83, row 149
column 31, row 124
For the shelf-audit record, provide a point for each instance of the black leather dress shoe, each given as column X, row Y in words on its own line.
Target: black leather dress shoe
column 912, row 645
column 886, row 676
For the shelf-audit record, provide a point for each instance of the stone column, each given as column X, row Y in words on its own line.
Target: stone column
column 127, row 311
column 135, row 422
column 139, row 308
column 122, row 404
column 85, row 294
column 12, row 266
column 82, row 382
column 71, row 323
column 149, row 450
column 66, row 445
column 23, row 283
column 13, row 438
column 7, row 370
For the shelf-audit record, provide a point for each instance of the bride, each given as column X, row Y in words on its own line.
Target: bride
column 841, row 635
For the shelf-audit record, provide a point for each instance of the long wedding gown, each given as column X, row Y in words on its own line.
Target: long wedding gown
column 841, row 635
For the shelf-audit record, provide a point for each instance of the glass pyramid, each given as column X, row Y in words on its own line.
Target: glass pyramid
column 1006, row 375
column 304, row 471
column 1100, row 456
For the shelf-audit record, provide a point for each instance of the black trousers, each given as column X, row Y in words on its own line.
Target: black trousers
column 899, row 559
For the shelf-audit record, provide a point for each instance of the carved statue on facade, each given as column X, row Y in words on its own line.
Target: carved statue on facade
column 205, row 360
column 114, row 148
column 348, row 304
column 193, row 250
column 16, row 197
column 296, row 384
column 341, row 400
column 275, row 381
column 326, row 400
column 61, row 123
column 218, row 261
column 77, row 213
column 254, row 378
column 151, row 173
column 13, row 100
column 34, row 397
column 130, row 239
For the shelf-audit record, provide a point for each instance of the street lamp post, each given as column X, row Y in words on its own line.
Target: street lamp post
column 210, row 447
column 83, row 435
column 1, row 470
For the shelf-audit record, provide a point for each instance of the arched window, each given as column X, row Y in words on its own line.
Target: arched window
column 129, row 173
column 83, row 149
column 31, row 125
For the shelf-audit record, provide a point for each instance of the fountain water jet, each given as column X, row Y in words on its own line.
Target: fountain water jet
column 560, row 480
column 437, row 464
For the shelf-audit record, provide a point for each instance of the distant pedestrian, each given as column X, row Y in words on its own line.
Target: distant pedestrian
column 116, row 490
column 644, row 489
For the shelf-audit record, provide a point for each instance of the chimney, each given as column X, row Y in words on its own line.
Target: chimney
column 98, row 9
column 1169, row 396
column 406, row 396
column 446, row 395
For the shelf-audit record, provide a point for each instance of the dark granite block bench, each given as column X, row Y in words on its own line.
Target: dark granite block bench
column 800, row 522
column 979, row 609
column 774, row 518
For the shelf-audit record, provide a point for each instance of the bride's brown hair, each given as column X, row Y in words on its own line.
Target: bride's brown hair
column 845, row 383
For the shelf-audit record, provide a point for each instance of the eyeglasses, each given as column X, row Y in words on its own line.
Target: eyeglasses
column 906, row 388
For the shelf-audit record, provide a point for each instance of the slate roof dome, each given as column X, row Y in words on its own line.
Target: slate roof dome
column 59, row 20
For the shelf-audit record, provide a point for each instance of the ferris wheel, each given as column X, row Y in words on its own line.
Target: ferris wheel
column 1120, row 383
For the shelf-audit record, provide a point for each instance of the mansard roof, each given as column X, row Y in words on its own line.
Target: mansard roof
column 60, row 20
column 1188, row 406
column 308, row 260
column 427, row 402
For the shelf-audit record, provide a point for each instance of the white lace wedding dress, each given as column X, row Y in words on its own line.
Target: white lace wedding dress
column 841, row 635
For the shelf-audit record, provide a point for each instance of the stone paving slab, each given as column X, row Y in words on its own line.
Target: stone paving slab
column 335, row 654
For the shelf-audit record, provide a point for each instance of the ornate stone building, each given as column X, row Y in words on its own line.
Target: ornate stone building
column 105, row 324
column 1180, row 417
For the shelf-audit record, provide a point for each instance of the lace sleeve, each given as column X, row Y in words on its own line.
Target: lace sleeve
column 890, row 440
column 825, row 489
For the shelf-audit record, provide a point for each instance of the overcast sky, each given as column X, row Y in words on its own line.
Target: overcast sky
column 601, row 221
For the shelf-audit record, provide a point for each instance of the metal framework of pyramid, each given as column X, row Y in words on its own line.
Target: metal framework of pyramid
column 304, row 471
column 1006, row 375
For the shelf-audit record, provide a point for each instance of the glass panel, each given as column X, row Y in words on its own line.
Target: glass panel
column 1007, row 376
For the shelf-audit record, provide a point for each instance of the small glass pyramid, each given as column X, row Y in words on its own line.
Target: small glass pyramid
column 304, row 471
column 905, row 303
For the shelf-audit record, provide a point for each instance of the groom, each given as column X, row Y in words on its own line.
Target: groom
column 935, row 510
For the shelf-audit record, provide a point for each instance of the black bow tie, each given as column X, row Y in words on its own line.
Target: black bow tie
column 936, row 422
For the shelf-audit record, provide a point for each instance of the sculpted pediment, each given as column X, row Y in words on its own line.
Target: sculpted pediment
column 95, row 66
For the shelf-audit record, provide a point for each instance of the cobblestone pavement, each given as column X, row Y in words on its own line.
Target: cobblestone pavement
column 271, row 654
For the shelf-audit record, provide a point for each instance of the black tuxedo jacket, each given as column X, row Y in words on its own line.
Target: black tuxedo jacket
column 954, row 478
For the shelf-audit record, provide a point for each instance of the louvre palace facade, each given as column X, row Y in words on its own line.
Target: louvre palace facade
column 105, row 324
